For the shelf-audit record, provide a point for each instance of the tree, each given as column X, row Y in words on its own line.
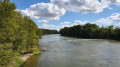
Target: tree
column 47, row 31
column 91, row 31
column 39, row 32
column 18, row 34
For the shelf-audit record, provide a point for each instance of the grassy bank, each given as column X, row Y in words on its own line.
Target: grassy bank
column 36, row 52
column 17, row 62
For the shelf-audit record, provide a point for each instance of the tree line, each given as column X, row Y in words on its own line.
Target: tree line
column 47, row 31
column 91, row 31
column 18, row 34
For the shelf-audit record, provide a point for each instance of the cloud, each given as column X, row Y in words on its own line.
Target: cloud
column 85, row 6
column 104, row 21
column 42, row 21
column 77, row 22
column 110, row 8
column 115, row 17
column 47, row 26
column 117, row 2
column 57, row 8
column 65, row 23
column 45, row 10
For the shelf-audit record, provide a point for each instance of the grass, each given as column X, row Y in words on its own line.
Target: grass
column 17, row 62
column 36, row 52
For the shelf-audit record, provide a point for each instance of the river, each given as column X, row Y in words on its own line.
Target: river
column 64, row 51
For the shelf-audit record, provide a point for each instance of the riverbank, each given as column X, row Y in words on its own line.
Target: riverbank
column 73, row 52
column 19, row 60
column 25, row 56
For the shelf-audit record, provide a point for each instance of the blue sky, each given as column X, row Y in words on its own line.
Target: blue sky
column 56, row 14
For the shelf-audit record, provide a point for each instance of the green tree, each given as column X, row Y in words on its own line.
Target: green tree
column 91, row 31
column 18, row 34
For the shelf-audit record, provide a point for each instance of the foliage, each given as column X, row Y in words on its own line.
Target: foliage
column 36, row 52
column 47, row 31
column 39, row 32
column 91, row 31
column 6, row 54
column 16, row 62
column 18, row 34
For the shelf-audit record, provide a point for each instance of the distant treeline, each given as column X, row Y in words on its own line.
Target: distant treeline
column 47, row 31
column 18, row 34
column 92, row 31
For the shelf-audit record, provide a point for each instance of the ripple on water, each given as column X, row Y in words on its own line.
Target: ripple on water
column 75, row 52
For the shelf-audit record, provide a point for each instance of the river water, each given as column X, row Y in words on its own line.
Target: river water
column 75, row 52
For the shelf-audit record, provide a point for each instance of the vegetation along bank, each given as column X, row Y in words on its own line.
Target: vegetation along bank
column 18, row 35
column 91, row 31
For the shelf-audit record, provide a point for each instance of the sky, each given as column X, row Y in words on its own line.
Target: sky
column 57, row 14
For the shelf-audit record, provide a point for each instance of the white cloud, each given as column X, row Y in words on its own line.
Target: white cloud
column 62, row 26
column 45, row 10
column 27, row 13
column 57, row 8
column 110, row 8
column 85, row 6
column 115, row 17
column 104, row 21
column 42, row 21
column 47, row 26
column 65, row 23
column 77, row 22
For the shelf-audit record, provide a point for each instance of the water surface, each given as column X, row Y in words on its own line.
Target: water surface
column 75, row 52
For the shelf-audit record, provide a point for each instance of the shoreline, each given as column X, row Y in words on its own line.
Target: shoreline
column 25, row 56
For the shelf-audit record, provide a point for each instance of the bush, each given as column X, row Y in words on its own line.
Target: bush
column 6, row 54
column 36, row 52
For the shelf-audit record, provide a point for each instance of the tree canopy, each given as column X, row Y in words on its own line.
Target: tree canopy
column 47, row 31
column 91, row 31
column 18, row 34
